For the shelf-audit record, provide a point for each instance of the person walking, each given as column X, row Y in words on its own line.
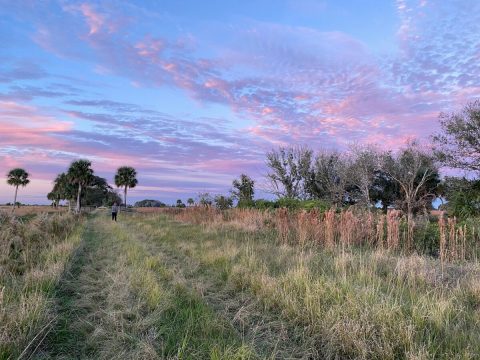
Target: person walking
column 114, row 211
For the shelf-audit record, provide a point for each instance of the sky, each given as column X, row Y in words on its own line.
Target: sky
column 194, row 93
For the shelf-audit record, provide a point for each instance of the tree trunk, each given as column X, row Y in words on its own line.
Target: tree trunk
column 15, row 199
column 409, row 225
column 78, row 198
column 125, row 198
column 367, row 196
column 384, row 207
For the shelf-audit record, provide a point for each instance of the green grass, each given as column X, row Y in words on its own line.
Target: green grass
column 358, row 304
column 32, row 259
column 149, row 287
column 119, row 301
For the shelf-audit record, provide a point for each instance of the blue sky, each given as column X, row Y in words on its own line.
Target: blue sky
column 194, row 93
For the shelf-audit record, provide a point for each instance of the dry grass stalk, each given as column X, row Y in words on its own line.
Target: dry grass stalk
column 283, row 224
column 303, row 230
column 410, row 229
column 380, row 231
column 452, row 238
column 393, row 229
column 348, row 225
column 443, row 237
column 329, row 220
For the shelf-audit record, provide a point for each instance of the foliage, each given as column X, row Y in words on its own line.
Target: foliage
column 223, row 202
column 150, row 203
column 463, row 197
column 288, row 170
column 363, row 170
column 243, row 190
column 384, row 190
column 180, row 204
column 17, row 177
column 126, row 177
column 293, row 204
column 417, row 175
column 329, row 177
column 205, row 199
column 458, row 145
column 99, row 193
column 80, row 174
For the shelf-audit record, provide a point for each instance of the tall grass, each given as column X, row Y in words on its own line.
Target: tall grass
column 446, row 238
column 346, row 299
column 32, row 257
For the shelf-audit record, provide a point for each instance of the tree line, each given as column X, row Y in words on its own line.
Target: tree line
column 364, row 175
column 408, row 179
column 80, row 185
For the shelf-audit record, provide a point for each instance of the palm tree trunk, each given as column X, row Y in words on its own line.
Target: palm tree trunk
column 15, row 199
column 78, row 198
column 125, row 198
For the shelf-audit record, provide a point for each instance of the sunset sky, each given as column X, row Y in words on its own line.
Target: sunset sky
column 193, row 93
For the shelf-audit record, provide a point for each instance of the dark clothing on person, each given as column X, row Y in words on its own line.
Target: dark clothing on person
column 114, row 212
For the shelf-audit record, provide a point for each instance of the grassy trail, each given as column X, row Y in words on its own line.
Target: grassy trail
column 149, row 287
column 123, row 298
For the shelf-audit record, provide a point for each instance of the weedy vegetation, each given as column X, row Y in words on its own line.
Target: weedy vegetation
column 33, row 256
column 201, row 283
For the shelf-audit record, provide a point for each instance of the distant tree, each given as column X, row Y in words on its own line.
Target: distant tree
column 458, row 144
column 362, row 172
column 416, row 173
column 63, row 189
column 243, row 190
column 17, row 177
column 329, row 179
column 223, row 202
column 112, row 197
column 205, row 199
column 150, row 203
column 80, row 174
column 99, row 193
column 385, row 190
column 190, row 202
column 126, row 177
column 289, row 169
column 53, row 198
column 180, row 203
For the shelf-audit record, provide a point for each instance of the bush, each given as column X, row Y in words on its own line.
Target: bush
column 291, row 204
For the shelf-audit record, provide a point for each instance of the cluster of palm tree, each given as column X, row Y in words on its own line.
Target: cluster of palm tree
column 74, row 183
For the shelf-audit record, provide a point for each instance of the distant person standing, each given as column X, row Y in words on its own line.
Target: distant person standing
column 114, row 211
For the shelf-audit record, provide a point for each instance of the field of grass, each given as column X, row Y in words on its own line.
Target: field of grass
column 29, row 211
column 164, row 286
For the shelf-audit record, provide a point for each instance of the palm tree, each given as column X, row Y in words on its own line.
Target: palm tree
column 126, row 177
column 63, row 189
column 80, row 173
column 17, row 177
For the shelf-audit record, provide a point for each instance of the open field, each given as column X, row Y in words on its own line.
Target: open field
column 33, row 209
column 207, row 285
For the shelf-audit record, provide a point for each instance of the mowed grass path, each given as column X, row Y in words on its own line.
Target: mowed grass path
column 119, row 300
column 149, row 287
